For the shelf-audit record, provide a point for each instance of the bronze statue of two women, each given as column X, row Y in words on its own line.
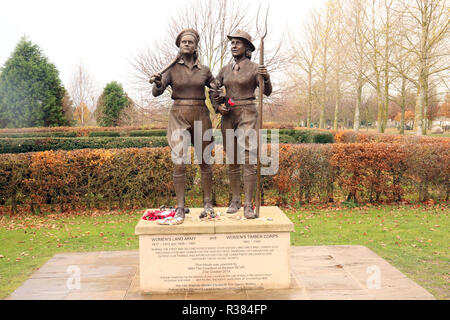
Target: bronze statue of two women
column 188, row 79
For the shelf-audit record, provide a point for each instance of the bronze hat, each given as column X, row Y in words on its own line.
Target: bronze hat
column 243, row 35
column 190, row 31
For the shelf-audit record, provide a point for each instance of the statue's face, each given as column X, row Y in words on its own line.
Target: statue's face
column 237, row 47
column 188, row 44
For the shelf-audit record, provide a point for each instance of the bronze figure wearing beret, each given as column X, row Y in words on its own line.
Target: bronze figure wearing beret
column 187, row 78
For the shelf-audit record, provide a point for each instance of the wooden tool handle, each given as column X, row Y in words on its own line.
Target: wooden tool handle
column 152, row 79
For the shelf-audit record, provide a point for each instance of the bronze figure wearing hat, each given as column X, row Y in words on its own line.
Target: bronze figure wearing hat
column 238, row 109
column 187, row 78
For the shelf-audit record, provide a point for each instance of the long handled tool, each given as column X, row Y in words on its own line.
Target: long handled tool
column 260, row 113
column 163, row 70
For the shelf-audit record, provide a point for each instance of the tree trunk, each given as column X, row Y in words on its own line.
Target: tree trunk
column 338, row 97
column 420, row 101
column 386, row 69
column 324, row 88
column 419, row 108
column 358, row 104
column 336, row 114
column 425, row 102
column 386, row 98
column 308, row 120
column 380, row 128
column 403, row 106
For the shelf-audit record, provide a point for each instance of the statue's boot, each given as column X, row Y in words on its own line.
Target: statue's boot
column 206, row 180
column 234, row 206
column 179, row 182
column 235, row 184
column 179, row 215
column 249, row 189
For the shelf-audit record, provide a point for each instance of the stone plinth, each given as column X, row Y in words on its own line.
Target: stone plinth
column 228, row 253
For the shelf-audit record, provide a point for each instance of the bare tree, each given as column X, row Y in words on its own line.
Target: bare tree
column 84, row 92
column 425, row 31
column 392, row 44
column 325, row 43
column 339, row 41
column 374, row 57
column 356, row 64
column 387, row 26
column 305, row 56
column 379, row 42
column 404, row 63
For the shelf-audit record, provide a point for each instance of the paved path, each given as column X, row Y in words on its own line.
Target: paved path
column 318, row 272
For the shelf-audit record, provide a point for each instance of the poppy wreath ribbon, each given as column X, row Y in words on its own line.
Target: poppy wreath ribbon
column 152, row 215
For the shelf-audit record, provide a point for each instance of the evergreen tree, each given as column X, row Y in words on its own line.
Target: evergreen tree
column 110, row 105
column 68, row 108
column 31, row 93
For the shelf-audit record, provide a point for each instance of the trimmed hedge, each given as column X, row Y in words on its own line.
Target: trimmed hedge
column 283, row 138
column 320, row 137
column 104, row 134
column 373, row 172
column 111, row 140
column 21, row 145
column 301, row 134
column 148, row 133
column 81, row 131
column 66, row 140
column 348, row 136
column 307, row 136
column 38, row 134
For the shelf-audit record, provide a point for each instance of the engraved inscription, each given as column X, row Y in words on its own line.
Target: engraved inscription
column 219, row 261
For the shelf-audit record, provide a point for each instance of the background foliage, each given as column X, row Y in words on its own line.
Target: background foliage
column 359, row 172
column 31, row 93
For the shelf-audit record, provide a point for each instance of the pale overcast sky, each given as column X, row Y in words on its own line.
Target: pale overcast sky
column 104, row 34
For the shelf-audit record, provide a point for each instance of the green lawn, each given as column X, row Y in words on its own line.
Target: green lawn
column 412, row 238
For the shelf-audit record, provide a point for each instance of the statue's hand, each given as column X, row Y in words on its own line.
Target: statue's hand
column 223, row 110
column 219, row 99
column 262, row 70
column 215, row 94
column 156, row 79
